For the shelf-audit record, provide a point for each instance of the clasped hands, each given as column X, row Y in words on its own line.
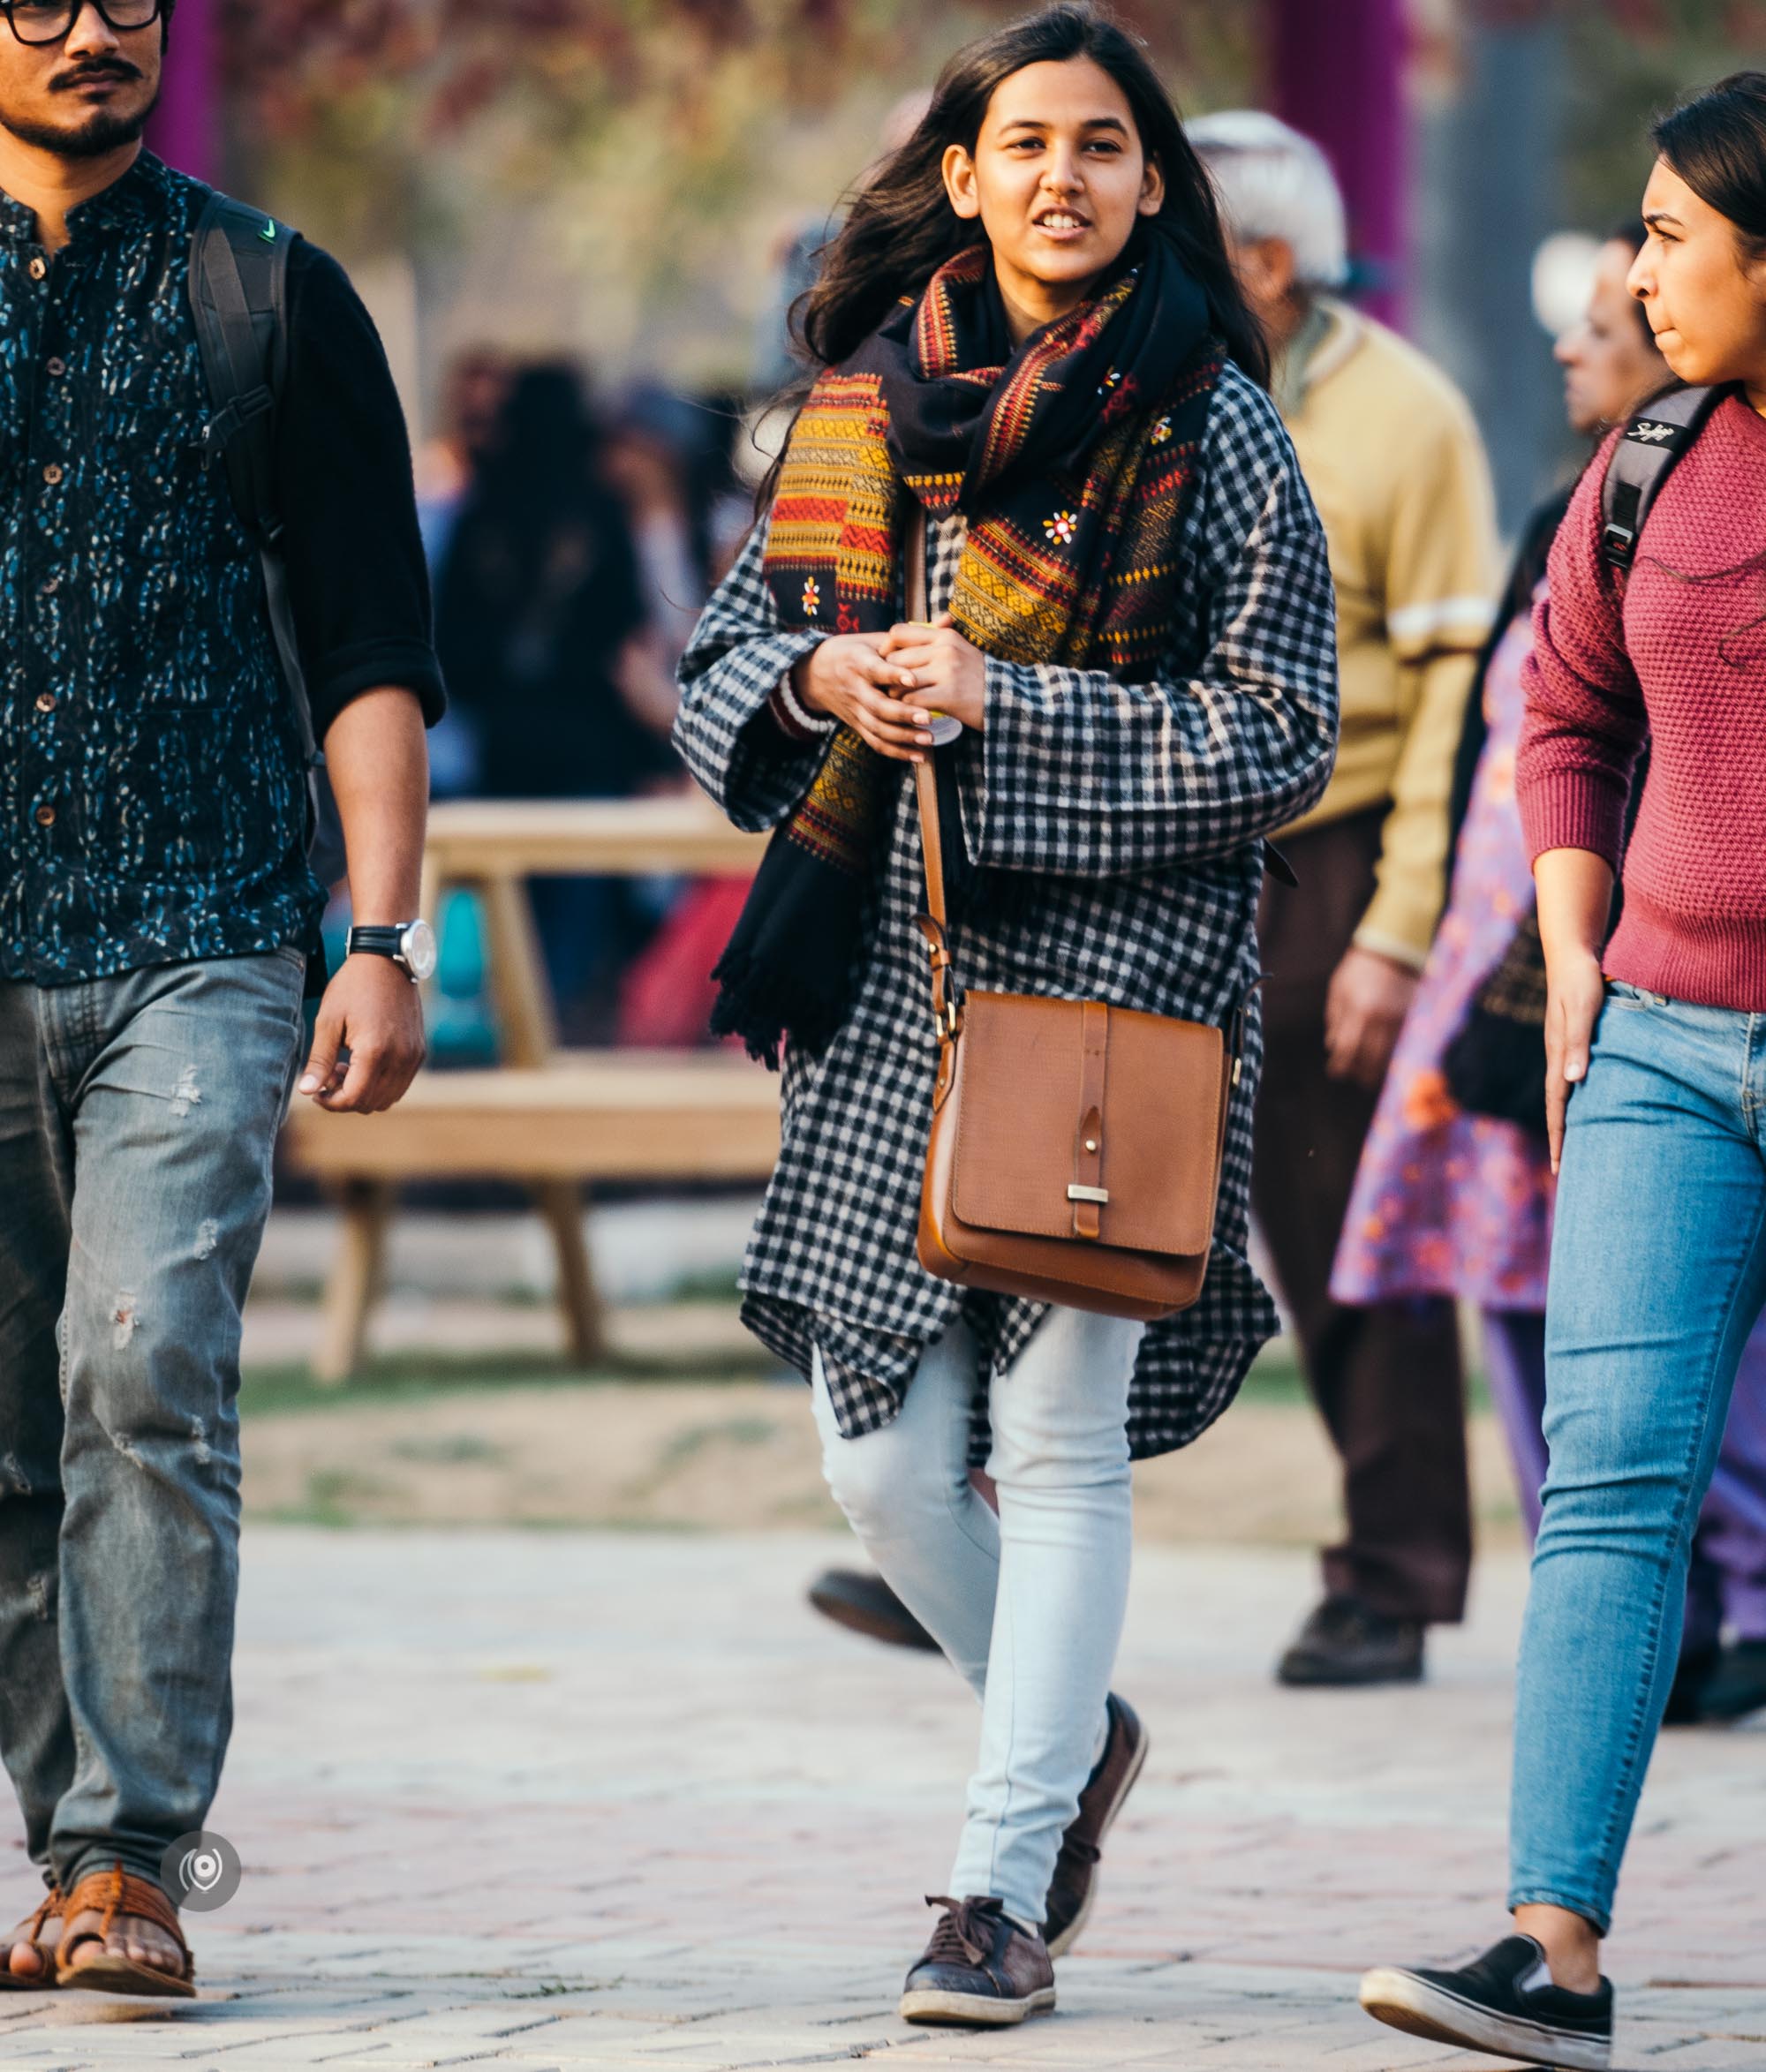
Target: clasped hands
column 882, row 685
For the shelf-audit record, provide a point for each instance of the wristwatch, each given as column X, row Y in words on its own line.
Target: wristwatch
column 410, row 944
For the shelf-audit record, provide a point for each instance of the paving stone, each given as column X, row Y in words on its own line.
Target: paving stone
column 551, row 1800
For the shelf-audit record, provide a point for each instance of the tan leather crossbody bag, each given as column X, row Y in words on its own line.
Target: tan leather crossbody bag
column 1076, row 1148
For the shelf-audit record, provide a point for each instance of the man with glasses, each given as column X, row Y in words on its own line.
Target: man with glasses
column 158, row 919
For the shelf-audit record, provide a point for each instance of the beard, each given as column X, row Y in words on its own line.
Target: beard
column 102, row 132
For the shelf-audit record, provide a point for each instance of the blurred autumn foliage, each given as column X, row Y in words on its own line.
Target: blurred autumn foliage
column 619, row 172
column 615, row 170
column 293, row 64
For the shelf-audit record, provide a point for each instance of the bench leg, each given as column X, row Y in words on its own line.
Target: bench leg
column 561, row 1203
column 355, row 1282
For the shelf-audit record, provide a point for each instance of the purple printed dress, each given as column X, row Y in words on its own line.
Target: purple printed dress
column 1447, row 1203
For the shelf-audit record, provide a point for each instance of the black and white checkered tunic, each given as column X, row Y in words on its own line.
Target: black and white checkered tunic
column 1118, row 826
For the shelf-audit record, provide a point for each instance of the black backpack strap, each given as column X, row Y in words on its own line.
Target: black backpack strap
column 238, row 293
column 1642, row 460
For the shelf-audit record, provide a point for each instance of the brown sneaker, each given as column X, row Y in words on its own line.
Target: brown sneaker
column 1074, row 1884
column 980, row 1971
column 866, row 1604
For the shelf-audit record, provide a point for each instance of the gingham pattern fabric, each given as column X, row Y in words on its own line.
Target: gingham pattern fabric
column 1116, row 826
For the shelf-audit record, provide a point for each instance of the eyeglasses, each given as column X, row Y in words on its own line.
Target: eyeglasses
column 48, row 21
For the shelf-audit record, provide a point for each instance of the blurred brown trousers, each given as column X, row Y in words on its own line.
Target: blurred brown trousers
column 1386, row 1379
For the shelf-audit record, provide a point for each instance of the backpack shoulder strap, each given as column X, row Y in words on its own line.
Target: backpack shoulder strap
column 239, row 295
column 1642, row 462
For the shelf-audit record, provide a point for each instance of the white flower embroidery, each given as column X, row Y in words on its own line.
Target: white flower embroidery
column 812, row 597
column 1161, row 431
column 1061, row 528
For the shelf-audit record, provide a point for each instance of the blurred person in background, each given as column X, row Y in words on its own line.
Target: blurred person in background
column 1029, row 331
column 645, row 459
column 1654, row 1089
column 1394, row 462
column 1454, row 1193
column 542, row 627
column 473, row 390
column 474, row 387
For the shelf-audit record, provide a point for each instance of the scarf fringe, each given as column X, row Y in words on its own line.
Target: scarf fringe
column 762, row 1001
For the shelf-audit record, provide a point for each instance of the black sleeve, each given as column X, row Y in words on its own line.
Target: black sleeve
column 355, row 570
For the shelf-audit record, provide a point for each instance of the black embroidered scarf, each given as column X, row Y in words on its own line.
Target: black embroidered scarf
column 1070, row 456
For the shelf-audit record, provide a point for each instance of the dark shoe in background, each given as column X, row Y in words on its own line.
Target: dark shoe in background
column 1074, row 1885
column 1686, row 1700
column 980, row 1971
column 1505, row 2003
column 867, row 1605
column 1346, row 1643
column 1737, row 1685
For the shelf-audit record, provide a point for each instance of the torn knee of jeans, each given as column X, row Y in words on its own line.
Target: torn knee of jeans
column 126, row 1319
column 208, row 1237
column 187, row 1094
column 198, row 1439
column 13, row 1479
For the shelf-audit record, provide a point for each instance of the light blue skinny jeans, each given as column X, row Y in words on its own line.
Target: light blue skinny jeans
column 1028, row 1606
column 1658, row 1272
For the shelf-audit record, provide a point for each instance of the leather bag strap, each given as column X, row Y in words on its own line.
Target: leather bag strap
column 946, row 1009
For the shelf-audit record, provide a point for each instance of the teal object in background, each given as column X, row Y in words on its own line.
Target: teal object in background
column 461, row 1031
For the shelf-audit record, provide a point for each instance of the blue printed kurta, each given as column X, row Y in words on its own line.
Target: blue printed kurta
column 151, row 796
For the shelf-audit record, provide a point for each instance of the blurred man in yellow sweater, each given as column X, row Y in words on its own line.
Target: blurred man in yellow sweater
column 1394, row 462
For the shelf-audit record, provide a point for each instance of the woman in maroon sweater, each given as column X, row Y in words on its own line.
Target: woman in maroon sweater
column 1655, row 1091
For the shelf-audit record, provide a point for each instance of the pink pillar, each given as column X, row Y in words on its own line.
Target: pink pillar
column 187, row 130
column 1338, row 74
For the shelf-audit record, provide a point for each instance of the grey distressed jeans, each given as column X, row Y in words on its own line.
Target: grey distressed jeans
column 138, row 1115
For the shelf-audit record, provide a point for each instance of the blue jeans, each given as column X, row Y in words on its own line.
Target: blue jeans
column 138, row 1115
column 1027, row 1606
column 1658, row 1272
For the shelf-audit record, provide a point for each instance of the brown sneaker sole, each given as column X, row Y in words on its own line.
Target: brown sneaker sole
column 1076, row 1928
column 974, row 2010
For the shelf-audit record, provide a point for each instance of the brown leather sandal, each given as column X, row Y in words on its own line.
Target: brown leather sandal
column 108, row 1893
column 52, row 1910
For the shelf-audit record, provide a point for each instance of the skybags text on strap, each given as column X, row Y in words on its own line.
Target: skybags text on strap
column 1653, row 442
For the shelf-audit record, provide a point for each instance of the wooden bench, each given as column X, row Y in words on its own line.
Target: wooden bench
column 552, row 1120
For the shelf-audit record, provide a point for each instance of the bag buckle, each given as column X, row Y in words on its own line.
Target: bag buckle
column 1101, row 1196
column 1619, row 543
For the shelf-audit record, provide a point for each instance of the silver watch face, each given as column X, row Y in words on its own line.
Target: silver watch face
column 417, row 945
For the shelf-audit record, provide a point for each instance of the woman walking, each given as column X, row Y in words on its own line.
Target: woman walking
column 1453, row 1194
column 1654, row 1088
column 1038, row 387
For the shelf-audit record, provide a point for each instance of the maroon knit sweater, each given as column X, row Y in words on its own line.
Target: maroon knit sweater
column 1681, row 659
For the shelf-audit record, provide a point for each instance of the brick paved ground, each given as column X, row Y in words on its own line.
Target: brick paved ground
column 559, row 1800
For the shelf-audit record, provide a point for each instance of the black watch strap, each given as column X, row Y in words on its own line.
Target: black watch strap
column 378, row 942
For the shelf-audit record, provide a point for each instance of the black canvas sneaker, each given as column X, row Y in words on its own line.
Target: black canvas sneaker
column 1505, row 2003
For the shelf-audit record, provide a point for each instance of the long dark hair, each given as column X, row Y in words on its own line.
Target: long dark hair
column 901, row 227
column 1716, row 143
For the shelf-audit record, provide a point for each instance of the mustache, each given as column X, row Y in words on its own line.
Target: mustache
column 103, row 68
